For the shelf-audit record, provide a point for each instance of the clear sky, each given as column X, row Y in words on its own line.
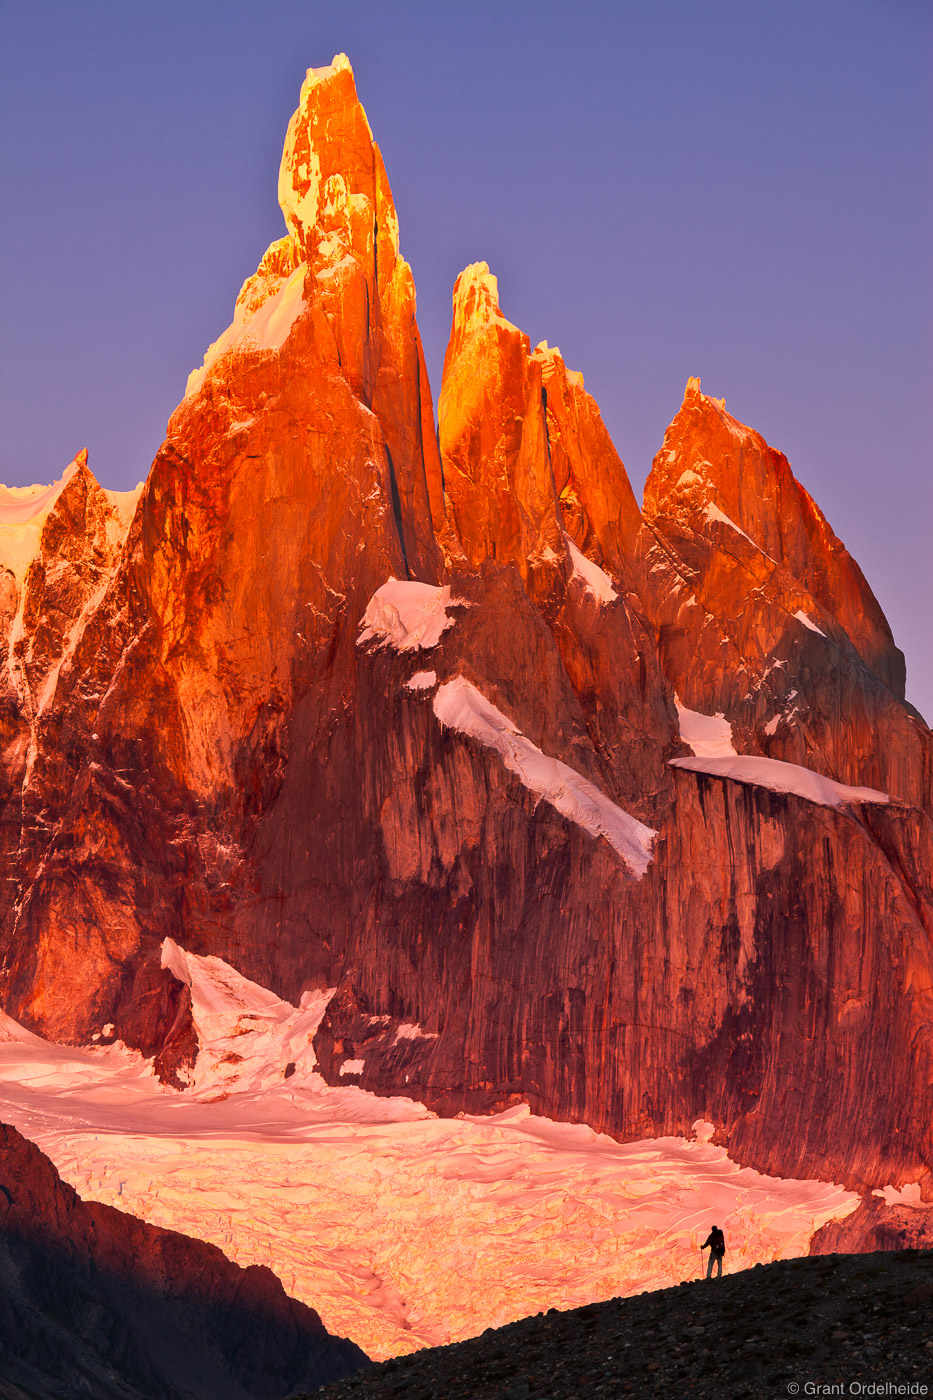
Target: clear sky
column 739, row 189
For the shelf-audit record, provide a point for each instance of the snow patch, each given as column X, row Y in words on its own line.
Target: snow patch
column 267, row 328
column 801, row 616
column 710, row 736
column 460, row 706
column 782, row 777
column 476, row 300
column 246, row 1034
column 300, row 210
column 351, row 1067
column 596, row 580
column 12, row 1033
column 908, row 1195
column 409, row 1030
column 123, row 503
column 543, row 351
column 422, row 680
column 19, row 504
column 408, row 616
column 712, row 512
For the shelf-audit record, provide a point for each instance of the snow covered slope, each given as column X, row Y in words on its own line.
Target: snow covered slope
column 403, row 1229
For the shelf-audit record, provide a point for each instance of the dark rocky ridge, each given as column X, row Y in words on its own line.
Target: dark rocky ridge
column 95, row 1303
column 752, row 1335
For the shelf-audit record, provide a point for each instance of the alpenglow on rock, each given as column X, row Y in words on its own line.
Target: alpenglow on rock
column 348, row 704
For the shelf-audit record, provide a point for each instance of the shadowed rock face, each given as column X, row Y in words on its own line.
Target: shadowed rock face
column 226, row 758
column 95, row 1302
column 877, row 1226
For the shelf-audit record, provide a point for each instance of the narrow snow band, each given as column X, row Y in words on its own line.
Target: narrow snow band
column 460, row 706
column 406, row 615
column 807, row 621
column 713, row 513
column 782, row 777
column 591, row 575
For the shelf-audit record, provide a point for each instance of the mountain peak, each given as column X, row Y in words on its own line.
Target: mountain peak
column 476, row 301
column 328, row 159
column 552, row 363
column 693, row 396
column 338, row 64
column 714, row 471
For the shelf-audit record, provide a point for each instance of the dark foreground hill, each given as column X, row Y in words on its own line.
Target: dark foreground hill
column 97, row 1305
column 840, row 1319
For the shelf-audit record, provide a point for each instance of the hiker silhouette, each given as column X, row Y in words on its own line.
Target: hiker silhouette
column 716, row 1244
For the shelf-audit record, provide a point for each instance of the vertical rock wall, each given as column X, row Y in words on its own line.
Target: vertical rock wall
column 220, row 755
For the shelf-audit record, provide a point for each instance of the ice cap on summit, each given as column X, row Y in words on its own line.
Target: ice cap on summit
column 693, row 394
column 301, row 178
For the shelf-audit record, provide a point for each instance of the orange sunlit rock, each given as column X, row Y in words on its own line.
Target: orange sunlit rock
column 493, row 437
column 763, row 615
column 625, row 810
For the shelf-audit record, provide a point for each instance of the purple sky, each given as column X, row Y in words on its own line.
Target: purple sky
column 731, row 189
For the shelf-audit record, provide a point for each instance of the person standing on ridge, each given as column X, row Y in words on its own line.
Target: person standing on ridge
column 716, row 1244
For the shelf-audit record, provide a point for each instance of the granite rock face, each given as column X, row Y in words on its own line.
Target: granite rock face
column 876, row 1226
column 762, row 614
column 93, row 1301
column 58, row 550
column 622, row 811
